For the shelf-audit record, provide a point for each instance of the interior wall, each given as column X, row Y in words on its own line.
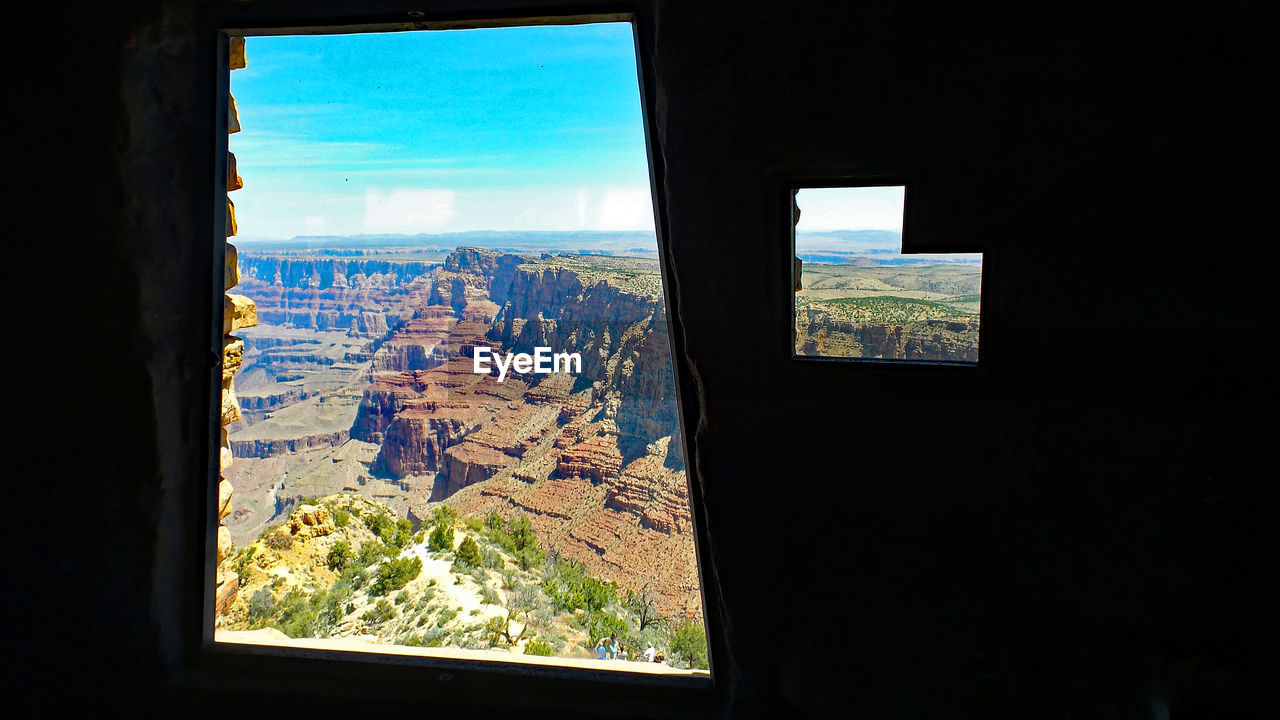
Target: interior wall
column 1075, row 529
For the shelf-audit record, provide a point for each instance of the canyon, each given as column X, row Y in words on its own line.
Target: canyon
column 360, row 378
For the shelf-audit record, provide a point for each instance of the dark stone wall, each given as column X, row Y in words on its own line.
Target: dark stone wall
column 1078, row 528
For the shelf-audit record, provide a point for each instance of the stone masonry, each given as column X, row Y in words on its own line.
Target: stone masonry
column 238, row 312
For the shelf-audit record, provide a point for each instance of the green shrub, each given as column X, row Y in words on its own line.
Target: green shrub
column 402, row 534
column 542, row 616
column 296, row 617
column 380, row 613
column 516, row 537
column 530, row 559
column 261, row 607
column 689, row 644
column 570, row 588
column 419, row 537
column 491, row 558
column 402, row 597
column 371, row 552
column 379, row 524
column 341, row 518
column 473, row 523
column 534, row 647
column 444, row 515
column 490, row 596
column 495, row 630
column 300, row 615
column 600, row 624
column 441, row 539
column 395, row 574
column 278, row 539
column 445, row 616
column 242, row 565
column 355, row 576
column 469, row 552
column 340, row 556
column 494, row 521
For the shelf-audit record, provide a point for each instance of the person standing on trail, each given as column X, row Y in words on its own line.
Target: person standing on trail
column 649, row 652
column 600, row 648
column 613, row 646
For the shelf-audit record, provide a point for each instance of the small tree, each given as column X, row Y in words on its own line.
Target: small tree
column 380, row 612
column 469, row 552
column 261, row 607
column 395, row 574
column 341, row 518
column 645, row 607
column 340, row 556
column 522, row 600
column 371, row 552
column 689, row 644
column 445, row 515
column 534, row 647
column 441, row 539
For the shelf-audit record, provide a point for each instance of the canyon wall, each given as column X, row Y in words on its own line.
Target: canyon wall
column 822, row 334
column 592, row 458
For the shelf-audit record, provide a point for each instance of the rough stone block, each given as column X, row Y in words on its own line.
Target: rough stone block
column 237, row 58
column 238, row 312
column 231, row 218
column 230, row 409
column 232, row 357
column 225, row 547
column 233, row 115
column 224, row 451
column 231, row 268
column 225, row 492
column 234, row 181
column 226, row 592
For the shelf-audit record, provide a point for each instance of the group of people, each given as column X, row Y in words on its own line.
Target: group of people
column 609, row 648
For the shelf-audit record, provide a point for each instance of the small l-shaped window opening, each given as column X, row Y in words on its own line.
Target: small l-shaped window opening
column 859, row 297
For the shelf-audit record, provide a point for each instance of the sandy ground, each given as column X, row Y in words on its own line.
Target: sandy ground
column 463, row 594
column 368, row 643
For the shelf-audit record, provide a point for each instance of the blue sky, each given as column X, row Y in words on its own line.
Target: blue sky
column 534, row 128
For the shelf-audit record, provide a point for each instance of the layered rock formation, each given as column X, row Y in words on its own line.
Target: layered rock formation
column 590, row 457
column 823, row 334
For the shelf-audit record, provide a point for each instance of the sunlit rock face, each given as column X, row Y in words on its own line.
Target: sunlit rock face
column 591, row 457
column 360, row 358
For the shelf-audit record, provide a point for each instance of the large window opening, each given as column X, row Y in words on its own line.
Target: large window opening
column 858, row 296
column 457, row 431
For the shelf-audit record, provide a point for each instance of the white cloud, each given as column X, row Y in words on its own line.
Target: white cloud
column 314, row 222
column 408, row 211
